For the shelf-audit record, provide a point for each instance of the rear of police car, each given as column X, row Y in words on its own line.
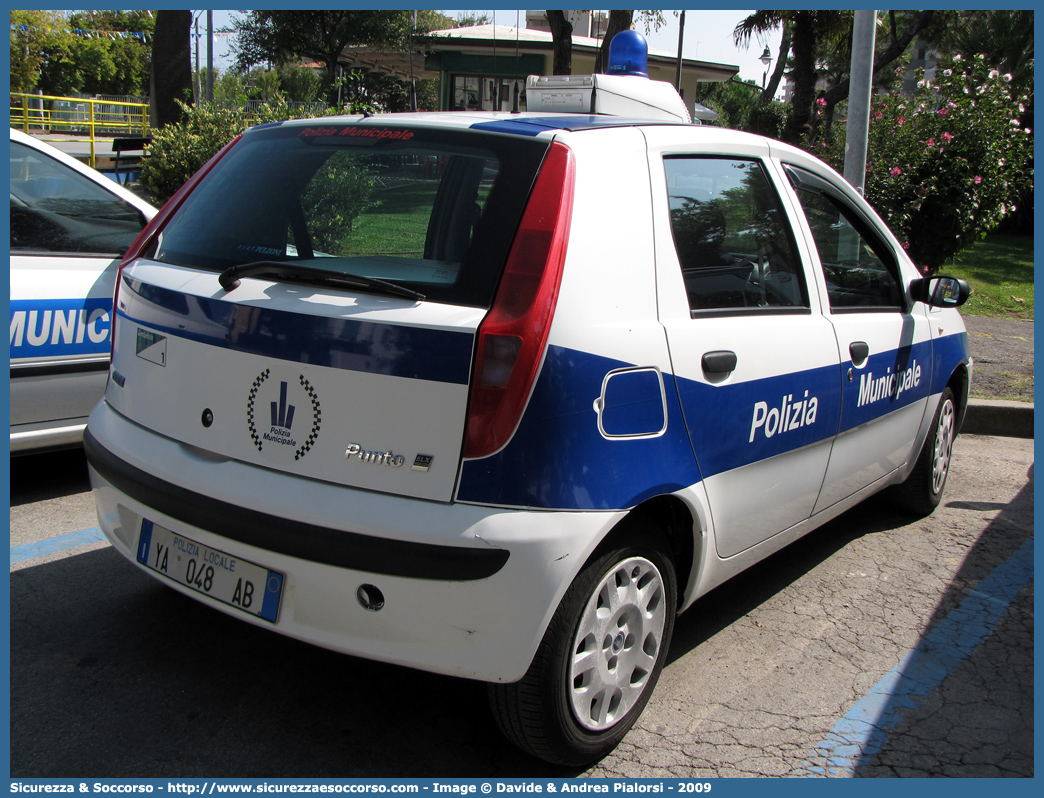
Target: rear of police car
column 307, row 341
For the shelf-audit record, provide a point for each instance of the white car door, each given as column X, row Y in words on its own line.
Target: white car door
column 884, row 342
column 755, row 362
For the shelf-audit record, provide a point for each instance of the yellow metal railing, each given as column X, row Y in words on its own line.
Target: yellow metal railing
column 41, row 111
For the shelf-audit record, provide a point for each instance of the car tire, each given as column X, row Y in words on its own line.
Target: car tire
column 922, row 490
column 599, row 659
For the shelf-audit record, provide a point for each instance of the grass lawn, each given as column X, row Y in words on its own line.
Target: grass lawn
column 397, row 224
column 1000, row 272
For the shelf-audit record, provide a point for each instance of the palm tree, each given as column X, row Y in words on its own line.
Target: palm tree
column 761, row 22
column 811, row 31
column 807, row 30
column 1004, row 37
column 897, row 43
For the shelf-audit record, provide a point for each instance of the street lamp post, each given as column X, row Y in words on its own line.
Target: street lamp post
column 766, row 59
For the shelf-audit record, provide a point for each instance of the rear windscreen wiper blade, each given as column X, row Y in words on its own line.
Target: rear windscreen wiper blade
column 294, row 271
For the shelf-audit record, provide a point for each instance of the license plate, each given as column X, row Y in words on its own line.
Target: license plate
column 231, row 580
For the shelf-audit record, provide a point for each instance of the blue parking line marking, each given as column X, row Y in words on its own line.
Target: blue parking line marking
column 864, row 729
column 40, row 548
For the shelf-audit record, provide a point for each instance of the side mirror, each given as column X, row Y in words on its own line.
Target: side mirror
column 941, row 291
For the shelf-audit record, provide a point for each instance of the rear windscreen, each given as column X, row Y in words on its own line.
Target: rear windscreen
column 431, row 210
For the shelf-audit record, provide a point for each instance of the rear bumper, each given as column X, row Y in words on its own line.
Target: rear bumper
column 468, row 590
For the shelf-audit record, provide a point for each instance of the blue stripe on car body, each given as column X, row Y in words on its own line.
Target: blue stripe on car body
column 886, row 382
column 560, row 428
column 950, row 351
column 759, row 419
column 377, row 348
column 550, row 461
column 558, row 458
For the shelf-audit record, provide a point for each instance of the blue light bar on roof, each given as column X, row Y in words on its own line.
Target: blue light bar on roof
column 628, row 54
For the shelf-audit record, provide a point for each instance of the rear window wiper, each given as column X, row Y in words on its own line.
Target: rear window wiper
column 298, row 272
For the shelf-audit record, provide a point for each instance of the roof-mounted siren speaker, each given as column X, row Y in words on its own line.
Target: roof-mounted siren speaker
column 624, row 91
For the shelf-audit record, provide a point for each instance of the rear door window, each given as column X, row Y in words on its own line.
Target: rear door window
column 734, row 244
column 433, row 211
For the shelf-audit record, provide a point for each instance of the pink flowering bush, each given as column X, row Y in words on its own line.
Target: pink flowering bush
column 947, row 164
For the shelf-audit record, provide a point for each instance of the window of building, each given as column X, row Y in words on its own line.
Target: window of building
column 475, row 93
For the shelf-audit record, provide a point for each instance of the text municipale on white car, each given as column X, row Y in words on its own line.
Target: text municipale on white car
column 497, row 395
column 69, row 227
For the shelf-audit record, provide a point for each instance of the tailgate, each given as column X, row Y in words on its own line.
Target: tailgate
column 353, row 389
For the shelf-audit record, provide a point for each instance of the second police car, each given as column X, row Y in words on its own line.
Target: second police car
column 69, row 226
column 497, row 395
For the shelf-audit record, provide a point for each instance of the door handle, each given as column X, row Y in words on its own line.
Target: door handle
column 720, row 362
column 860, row 351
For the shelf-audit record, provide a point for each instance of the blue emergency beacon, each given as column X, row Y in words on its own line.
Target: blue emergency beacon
column 628, row 54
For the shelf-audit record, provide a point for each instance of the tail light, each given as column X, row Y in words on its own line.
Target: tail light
column 512, row 338
column 149, row 233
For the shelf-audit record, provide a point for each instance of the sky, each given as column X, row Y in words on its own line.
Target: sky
column 708, row 37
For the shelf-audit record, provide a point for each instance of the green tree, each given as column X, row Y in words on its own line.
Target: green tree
column 42, row 45
column 264, row 85
column 808, row 30
column 230, row 91
column 1005, row 40
column 105, row 59
column 469, row 20
column 901, row 30
column 738, row 105
column 60, row 72
column 299, row 83
column 818, row 44
column 124, row 67
column 34, row 35
column 282, row 37
column 388, row 94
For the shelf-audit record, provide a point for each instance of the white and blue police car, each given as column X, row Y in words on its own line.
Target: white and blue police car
column 497, row 395
column 69, row 227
